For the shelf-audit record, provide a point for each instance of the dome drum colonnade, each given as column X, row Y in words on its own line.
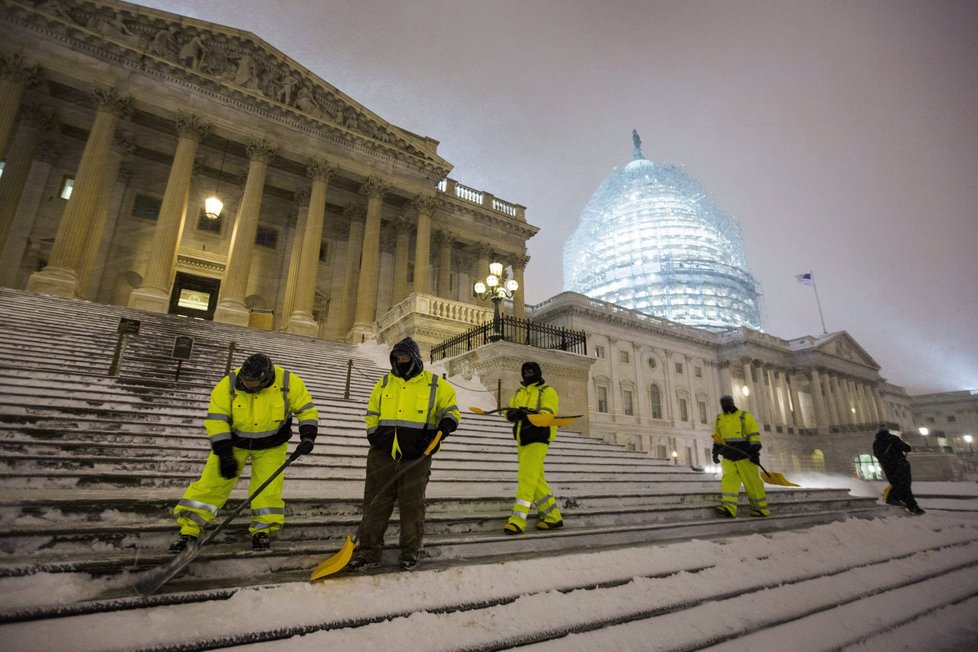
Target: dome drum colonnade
column 386, row 177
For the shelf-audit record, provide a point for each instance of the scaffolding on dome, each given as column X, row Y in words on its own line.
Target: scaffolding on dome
column 652, row 240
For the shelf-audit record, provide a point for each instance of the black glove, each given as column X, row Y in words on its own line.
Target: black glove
column 229, row 466
column 307, row 435
column 755, row 456
column 447, row 427
column 716, row 456
column 304, row 447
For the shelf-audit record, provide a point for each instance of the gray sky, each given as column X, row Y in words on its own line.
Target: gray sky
column 841, row 134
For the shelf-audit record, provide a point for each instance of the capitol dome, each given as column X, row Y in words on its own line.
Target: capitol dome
column 651, row 239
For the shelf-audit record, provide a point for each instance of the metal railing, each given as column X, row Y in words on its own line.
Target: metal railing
column 512, row 329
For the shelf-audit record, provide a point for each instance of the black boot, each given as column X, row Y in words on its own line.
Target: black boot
column 260, row 542
column 185, row 541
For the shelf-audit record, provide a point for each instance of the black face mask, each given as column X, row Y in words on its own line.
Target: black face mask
column 728, row 407
column 404, row 368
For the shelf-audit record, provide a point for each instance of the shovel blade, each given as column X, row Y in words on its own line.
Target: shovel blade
column 777, row 478
column 477, row 410
column 336, row 563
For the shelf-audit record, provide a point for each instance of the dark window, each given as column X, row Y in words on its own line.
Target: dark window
column 146, row 207
column 656, row 396
column 324, row 251
column 206, row 224
column 266, row 237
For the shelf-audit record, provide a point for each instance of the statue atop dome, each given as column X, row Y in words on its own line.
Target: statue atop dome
column 637, row 154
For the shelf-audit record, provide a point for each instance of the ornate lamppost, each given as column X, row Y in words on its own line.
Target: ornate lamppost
column 495, row 290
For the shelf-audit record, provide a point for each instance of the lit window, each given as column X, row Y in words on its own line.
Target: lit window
column 67, row 185
column 3, row 164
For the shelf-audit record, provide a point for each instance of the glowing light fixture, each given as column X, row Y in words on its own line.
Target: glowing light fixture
column 495, row 291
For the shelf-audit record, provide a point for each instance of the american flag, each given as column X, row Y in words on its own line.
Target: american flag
column 804, row 279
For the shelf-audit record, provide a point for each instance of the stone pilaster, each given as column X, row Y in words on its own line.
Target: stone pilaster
column 231, row 308
column 16, row 75
column 342, row 306
column 23, row 147
column 444, row 239
column 60, row 277
column 402, row 230
column 425, row 206
column 301, row 322
column 301, row 214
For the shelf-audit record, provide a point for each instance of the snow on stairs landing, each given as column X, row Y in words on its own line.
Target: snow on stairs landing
column 91, row 465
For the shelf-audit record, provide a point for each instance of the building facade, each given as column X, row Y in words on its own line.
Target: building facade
column 117, row 121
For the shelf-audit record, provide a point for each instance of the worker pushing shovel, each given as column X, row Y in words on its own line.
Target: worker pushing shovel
column 542, row 420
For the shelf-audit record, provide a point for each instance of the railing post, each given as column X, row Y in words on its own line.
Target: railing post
column 499, row 392
column 349, row 373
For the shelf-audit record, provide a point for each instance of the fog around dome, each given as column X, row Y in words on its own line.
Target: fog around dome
column 651, row 239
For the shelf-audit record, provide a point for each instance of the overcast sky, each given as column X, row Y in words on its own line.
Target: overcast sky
column 842, row 135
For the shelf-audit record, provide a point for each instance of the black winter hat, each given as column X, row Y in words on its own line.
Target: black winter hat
column 531, row 366
column 410, row 347
column 258, row 367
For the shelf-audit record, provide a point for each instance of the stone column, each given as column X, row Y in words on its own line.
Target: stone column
column 301, row 212
column 231, row 308
column 34, row 122
column 93, row 261
column 754, row 401
column 726, row 381
column 878, row 403
column 797, row 416
column 344, row 297
column 425, row 205
column 402, row 229
column 822, row 417
column 302, row 322
column 60, row 277
column 366, row 306
column 12, row 254
column 444, row 240
column 519, row 263
column 483, row 258
column 16, row 75
column 154, row 293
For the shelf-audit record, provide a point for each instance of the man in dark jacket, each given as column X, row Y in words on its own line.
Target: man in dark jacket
column 892, row 451
column 407, row 408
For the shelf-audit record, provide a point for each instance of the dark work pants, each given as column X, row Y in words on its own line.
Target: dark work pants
column 899, row 477
column 408, row 492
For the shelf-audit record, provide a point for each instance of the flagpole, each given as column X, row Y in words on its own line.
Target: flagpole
column 817, row 302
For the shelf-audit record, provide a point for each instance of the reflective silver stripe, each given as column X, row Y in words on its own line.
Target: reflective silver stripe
column 523, row 503
column 232, row 381
column 221, row 436
column 384, row 380
column 258, row 525
column 520, row 515
column 193, row 516
column 432, row 395
column 737, row 439
column 544, row 512
column 285, row 394
column 371, row 413
column 544, row 500
column 217, row 416
column 304, row 407
column 267, row 510
column 196, row 504
column 313, row 422
column 254, row 435
column 734, row 496
column 400, row 423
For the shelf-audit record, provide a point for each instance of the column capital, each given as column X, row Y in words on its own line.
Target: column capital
column 261, row 150
column 445, row 238
column 356, row 210
column 484, row 250
column 112, row 100
column 49, row 151
column 124, row 144
column 374, row 188
column 425, row 204
column 320, row 170
column 13, row 67
column 191, row 126
column 301, row 195
column 519, row 261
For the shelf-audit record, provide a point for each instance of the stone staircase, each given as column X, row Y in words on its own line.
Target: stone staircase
column 91, row 464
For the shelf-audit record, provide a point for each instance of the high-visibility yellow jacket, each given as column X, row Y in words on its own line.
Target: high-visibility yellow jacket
column 258, row 420
column 403, row 415
column 538, row 397
column 736, row 435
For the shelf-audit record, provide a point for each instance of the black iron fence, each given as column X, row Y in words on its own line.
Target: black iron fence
column 512, row 329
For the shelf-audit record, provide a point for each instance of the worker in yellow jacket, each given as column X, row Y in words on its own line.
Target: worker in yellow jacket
column 249, row 418
column 533, row 397
column 407, row 408
column 737, row 439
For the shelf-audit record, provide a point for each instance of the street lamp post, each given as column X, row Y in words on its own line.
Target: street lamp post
column 495, row 290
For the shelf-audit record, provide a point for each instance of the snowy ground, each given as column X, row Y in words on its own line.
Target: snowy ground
column 659, row 574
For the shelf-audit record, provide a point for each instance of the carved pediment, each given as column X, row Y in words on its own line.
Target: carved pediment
column 236, row 63
column 842, row 345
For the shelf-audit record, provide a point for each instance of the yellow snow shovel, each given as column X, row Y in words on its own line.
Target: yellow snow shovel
column 536, row 419
column 770, row 478
column 339, row 561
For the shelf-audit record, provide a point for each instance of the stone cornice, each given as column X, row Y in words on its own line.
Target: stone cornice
column 497, row 221
column 231, row 66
